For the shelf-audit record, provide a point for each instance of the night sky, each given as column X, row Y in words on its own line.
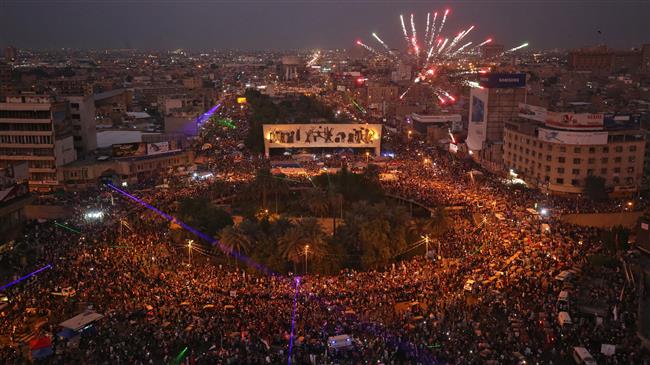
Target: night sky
column 292, row 24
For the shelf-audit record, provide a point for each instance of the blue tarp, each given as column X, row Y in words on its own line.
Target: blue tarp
column 42, row 353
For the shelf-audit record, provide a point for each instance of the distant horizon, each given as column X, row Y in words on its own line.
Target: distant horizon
column 254, row 25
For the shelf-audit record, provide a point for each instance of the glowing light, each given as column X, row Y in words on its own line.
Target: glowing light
column 293, row 318
column 49, row 266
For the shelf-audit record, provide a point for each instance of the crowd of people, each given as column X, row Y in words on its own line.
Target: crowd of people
column 160, row 306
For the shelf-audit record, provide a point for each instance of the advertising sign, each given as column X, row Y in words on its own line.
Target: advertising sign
column 477, row 129
column 241, row 100
column 436, row 118
column 502, row 80
column 532, row 112
column 158, row 148
column 613, row 121
column 574, row 121
column 573, row 138
column 322, row 135
column 129, row 149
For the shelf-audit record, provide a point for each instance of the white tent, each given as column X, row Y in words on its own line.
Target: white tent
column 81, row 320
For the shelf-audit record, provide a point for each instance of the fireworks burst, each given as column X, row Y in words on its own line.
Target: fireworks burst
column 434, row 51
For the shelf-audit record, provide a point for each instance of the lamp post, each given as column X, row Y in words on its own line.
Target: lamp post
column 367, row 157
column 306, row 251
column 189, row 251
column 426, row 244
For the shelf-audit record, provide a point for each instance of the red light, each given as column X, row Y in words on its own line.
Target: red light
column 446, row 11
column 359, row 42
column 489, row 40
column 452, row 98
column 360, row 80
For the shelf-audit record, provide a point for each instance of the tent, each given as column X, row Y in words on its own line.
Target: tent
column 81, row 320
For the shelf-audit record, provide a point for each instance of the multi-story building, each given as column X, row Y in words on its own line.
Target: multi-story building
column 603, row 59
column 11, row 54
column 36, row 129
column 14, row 196
column 491, row 105
column 559, row 158
column 82, row 114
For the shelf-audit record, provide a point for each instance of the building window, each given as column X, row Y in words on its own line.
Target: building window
column 575, row 182
column 604, row 160
column 577, row 161
column 559, row 180
column 592, row 149
column 618, row 159
column 592, row 161
column 631, row 159
column 590, row 172
column 616, row 180
column 603, row 171
column 548, row 157
column 619, row 148
column 547, row 168
column 576, row 171
column 549, row 147
column 562, row 149
column 632, row 148
column 605, row 149
column 577, row 150
column 561, row 160
column 617, row 170
column 630, row 170
column 560, row 170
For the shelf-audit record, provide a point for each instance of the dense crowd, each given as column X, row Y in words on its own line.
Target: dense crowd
column 156, row 303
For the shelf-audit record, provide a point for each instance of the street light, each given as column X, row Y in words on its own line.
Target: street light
column 306, row 251
column 426, row 244
column 189, row 251
column 367, row 157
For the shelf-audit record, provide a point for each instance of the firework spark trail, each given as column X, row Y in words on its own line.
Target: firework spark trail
column 517, row 48
column 426, row 31
column 405, row 92
column 314, row 59
column 442, row 24
column 406, row 36
column 382, row 43
column 433, row 30
column 460, row 37
column 454, row 41
column 443, row 45
column 483, row 43
column 414, row 39
column 368, row 48
column 461, row 48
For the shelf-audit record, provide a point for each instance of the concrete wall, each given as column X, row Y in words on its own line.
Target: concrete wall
column 604, row 220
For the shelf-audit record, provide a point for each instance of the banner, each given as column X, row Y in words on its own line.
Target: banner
column 157, row 148
column 477, row 129
column 129, row 149
column 573, row 138
column 574, row 121
column 532, row 112
column 502, row 80
column 322, row 135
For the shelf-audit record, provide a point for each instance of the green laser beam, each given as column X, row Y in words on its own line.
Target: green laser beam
column 68, row 228
column 180, row 356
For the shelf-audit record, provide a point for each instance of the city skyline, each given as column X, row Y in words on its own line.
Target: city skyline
column 254, row 25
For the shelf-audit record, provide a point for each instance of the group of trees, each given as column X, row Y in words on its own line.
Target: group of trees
column 368, row 232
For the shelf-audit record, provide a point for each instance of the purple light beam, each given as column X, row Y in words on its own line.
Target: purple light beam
column 293, row 318
column 48, row 266
column 237, row 255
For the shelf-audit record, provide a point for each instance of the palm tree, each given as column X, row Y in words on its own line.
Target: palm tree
column 265, row 183
column 315, row 200
column 236, row 240
column 306, row 233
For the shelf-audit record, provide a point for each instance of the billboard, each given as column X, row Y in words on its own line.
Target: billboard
column 574, row 121
column 129, row 149
column 502, row 80
column 573, row 138
column 532, row 112
column 322, row 135
column 241, row 100
column 158, row 148
column 614, row 121
column 477, row 128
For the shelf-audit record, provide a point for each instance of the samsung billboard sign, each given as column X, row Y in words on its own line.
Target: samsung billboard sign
column 502, row 80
